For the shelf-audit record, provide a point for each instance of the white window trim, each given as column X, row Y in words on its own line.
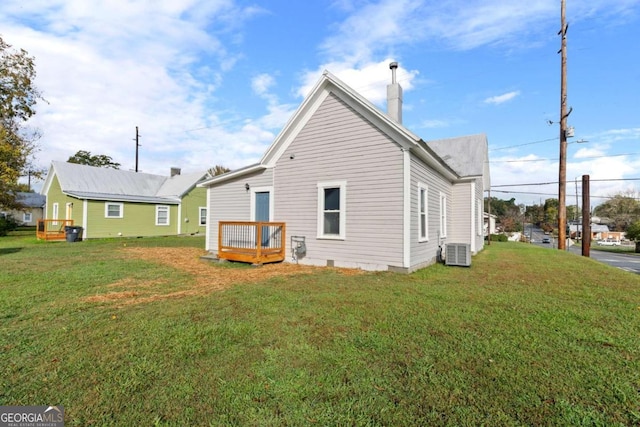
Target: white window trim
column 200, row 209
column 27, row 217
column 424, row 238
column 168, row 209
column 252, row 201
column 443, row 215
column 68, row 212
column 342, row 185
column 106, row 210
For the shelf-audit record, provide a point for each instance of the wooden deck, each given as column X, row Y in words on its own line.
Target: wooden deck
column 254, row 242
column 52, row 229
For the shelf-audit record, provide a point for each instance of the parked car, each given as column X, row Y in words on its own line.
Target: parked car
column 546, row 240
column 608, row 242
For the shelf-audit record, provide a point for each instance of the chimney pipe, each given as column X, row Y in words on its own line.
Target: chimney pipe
column 175, row 171
column 393, row 66
column 394, row 95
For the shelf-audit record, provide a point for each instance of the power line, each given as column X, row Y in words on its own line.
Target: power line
column 522, row 145
column 549, row 194
column 546, row 160
column 533, row 193
column 556, row 182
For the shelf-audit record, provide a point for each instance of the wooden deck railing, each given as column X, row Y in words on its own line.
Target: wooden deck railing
column 254, row 242
column 52, row 229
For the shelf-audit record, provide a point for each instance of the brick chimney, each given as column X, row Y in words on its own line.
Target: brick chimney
column 394, row 96
column 175, row 171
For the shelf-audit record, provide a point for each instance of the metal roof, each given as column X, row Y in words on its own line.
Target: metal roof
column 31, row 200
column 462, row 153
column 89, row 182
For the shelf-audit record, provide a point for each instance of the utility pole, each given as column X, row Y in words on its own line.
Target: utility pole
column 586, row 217
column 575, row 214
column 137, row 145
column 562, row 178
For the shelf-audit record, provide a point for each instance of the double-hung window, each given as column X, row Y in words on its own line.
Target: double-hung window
column 203, row 216
column 162, row 215
column 332, row 212
column 423, row 212
column 54, row 213
column 113, row 210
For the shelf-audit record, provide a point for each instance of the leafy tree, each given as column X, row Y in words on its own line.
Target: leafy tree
column 550, row 214
column 535, row 214
column 509, row 224
column 24, row 188
column 508, row 214
column 633, row 233
column 99, row 160
column 217, row 170
column 620, row 211
column 18, row 97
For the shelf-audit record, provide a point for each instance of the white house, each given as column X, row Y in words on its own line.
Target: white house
column 357, row 186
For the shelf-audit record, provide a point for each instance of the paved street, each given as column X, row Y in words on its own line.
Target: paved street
column 625, row 262
column 622, row 261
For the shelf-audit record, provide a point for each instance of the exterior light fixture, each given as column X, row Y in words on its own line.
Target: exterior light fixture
column 247, row 186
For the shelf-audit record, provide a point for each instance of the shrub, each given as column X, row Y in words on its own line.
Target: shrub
column 499, row 238
column 7, row 223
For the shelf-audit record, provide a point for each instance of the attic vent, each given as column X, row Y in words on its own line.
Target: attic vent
column 458, row 254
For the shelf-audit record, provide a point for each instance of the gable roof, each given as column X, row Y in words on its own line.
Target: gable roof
column 89, row 182
column 330, row 84
column 31, row 200
column 468, row 155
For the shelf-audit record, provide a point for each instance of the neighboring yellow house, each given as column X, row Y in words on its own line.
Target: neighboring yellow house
column 109, row 202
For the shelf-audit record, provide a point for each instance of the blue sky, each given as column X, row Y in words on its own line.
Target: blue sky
column 212, row 82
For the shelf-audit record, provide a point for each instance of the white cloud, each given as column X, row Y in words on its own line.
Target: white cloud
column 374, row 28
column 107, row 67
column 500, row 99
column 261, row 83
column 370, row 79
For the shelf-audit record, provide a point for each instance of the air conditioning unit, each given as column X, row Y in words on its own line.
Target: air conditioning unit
column 458, row 254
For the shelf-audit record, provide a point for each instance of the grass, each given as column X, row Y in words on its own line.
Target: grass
column 526, row 336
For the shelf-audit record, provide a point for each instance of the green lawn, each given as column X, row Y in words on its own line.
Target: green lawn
column 526, row 336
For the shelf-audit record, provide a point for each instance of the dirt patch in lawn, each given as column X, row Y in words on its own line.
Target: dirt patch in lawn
column 207, row 276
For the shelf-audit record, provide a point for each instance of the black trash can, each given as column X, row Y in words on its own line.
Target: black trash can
column 73, row 233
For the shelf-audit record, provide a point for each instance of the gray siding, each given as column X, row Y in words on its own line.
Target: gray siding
column 338, row 144
column 461, row 214
column 467, row 228
column 230, row 201
column 424, row 253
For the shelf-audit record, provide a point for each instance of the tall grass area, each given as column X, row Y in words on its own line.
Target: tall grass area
column 525, row 336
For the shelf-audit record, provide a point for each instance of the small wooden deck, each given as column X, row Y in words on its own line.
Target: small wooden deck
column 52, row 229
column 254, row 242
